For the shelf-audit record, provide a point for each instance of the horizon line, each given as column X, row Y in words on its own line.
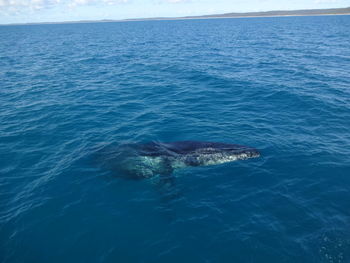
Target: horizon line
column 255, row 14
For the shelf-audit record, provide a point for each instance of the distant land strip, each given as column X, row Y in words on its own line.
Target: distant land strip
column 277, row 13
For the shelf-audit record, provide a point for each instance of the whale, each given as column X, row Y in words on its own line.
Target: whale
column 147, row 160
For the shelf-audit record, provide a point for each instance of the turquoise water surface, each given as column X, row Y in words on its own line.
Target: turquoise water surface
column 281, row 85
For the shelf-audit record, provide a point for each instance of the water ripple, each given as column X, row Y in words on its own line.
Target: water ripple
column 279, row 84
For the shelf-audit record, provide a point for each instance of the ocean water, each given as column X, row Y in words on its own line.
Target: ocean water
column 281, row 85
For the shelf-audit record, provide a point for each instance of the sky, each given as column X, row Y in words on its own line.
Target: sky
column 25, row 11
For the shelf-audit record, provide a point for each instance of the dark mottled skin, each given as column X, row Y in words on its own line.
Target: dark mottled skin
column 188, row 147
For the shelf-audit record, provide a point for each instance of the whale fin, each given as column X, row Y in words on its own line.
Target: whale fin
column 166, row 183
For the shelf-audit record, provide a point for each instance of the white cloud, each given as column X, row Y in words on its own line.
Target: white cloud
column 176, row 1
column 325, row 1
column 15, row 6
column 92, row 2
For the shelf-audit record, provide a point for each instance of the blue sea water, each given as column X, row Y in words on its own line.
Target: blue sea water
column 281, row 85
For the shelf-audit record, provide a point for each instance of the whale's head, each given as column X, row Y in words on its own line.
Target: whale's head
column 240, row 152
column 212, row 153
